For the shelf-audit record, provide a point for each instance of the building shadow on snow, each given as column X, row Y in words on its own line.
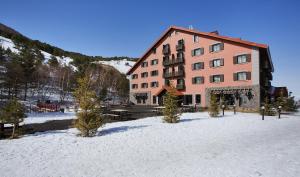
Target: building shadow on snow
column 189, row 120
column 119, row 129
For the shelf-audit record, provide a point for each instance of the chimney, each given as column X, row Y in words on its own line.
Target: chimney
column 191, row 27
column 215, row 32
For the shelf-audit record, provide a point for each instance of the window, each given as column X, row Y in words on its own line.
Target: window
column 217, row 78
column 154, row 99
column 154, row 62
column 134, row 86
column 144, row 64
column 217, row 62
column 167, row 82
column 154, row 84
column 196, row 38
column 144, row 85
column 198, row 80
column 242, row 59
column 187, row 99
column 198, row 98
column 180, row 81
column 198, row 52
column 198, row 66
column 181, row 41
column 154, row 50
column 154, row 73
column 241, row 76
column 134, row 76
column 180, row 55
column 216, row 47
column 144, row 74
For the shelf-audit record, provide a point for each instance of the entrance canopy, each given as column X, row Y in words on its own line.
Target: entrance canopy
column 165, row 89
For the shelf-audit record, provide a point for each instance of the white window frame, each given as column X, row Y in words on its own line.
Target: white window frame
column 216, row 62
column 196, row 38
column 197, row 52
column 216, row 47
column 242, row 76
column 217, row 78
column 241, row 59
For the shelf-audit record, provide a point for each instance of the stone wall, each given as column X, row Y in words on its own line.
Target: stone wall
column 242, row 99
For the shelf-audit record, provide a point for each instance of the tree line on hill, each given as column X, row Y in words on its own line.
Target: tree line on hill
column 26, row 74
column 78, row 58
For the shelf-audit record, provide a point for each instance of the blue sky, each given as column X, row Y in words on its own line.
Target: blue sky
column 128, row 28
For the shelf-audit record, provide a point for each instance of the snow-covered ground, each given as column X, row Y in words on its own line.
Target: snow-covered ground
column 44, row 117
column 239, row 145
column 121, row 65
column 7, row 43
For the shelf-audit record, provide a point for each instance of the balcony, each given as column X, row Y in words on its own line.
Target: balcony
column 180, row 47
column 168, row 74
column 167, row 62
column 178, row 73
column 179, row 60
column 180, row 86
column 166, row 50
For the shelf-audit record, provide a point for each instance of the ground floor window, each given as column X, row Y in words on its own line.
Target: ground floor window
column 187, row 99
column 154, row 100
column 198, row 98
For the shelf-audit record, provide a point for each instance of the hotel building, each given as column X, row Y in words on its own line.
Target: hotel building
column 199, row 64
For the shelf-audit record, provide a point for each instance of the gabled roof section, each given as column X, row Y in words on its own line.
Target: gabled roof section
column 205, row 34
column 168, row 89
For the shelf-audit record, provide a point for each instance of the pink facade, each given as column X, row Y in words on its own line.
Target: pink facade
column 198, row 47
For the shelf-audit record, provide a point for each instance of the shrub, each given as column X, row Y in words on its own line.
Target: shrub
column 89, row 119
column 171, row 109
column 214, row 106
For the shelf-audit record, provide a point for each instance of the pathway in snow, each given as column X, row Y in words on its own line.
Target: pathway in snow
column 234, row 146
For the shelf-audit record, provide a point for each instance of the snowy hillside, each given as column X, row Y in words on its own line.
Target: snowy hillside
column 239, row 145
column 7, row 43
column 121, row 65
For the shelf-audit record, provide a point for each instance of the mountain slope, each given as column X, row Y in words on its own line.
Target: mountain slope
column 9, row 38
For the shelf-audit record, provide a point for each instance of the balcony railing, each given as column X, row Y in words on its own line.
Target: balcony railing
column 180, row 47
column 179, row 60
column 173, row 74
column 180, row 86
column 171, row 62
column 168, row 74
column 178, row 73
column 167, row 62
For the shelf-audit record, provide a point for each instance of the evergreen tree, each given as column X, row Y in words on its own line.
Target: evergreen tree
column 281, row 101
column 290, row 104
column 214, row 107
column 53, row 62
column 13, row 112
column 89, row 119
column 269, row 107
column 171, row 109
